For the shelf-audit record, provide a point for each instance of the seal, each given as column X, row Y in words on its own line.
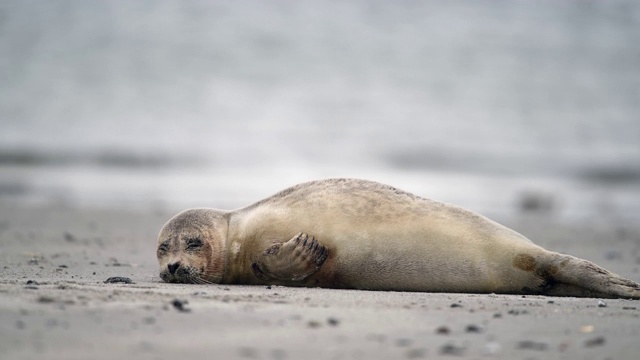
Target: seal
column 357, row 234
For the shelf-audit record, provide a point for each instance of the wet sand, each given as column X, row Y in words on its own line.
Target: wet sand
column 54, row 303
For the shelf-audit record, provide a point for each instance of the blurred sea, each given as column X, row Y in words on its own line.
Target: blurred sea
column 503, row 107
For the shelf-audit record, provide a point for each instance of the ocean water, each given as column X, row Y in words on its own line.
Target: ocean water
column 504, row 107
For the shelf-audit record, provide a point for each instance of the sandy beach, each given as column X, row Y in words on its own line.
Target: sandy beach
column 525, row 111
column 55, row 304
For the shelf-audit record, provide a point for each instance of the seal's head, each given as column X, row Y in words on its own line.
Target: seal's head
column 191, row 247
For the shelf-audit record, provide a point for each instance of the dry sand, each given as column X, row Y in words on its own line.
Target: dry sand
column 54, row 303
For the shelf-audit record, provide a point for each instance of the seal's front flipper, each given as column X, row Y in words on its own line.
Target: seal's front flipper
column 294, row 260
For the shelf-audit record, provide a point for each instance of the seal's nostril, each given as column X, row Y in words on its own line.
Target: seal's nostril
column 173, row 267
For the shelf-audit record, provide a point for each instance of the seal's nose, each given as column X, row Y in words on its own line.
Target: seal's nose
column 173, row 267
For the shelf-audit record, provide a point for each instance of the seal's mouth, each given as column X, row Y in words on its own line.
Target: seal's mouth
column 184, row 275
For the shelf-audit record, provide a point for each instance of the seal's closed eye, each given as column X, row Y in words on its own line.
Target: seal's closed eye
column 164, row 247
column 194, row 244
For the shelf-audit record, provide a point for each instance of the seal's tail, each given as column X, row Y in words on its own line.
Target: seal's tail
column 567, row 275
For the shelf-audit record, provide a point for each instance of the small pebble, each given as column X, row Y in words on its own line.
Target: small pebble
column 532, row 345
column 517, row 312
column 118, row 280
column 32, row 282
column 597, row 341
column 268, row 287
column 313, row 324
column 180, row 305
column 586, row 329
column 473, row 328
column 45, row 299
column 628, row 308
column 602, row 303
column 452, row 349
column 333, row 321
column 456, row 305
column 443, row 330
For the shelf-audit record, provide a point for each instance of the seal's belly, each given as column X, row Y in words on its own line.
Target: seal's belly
column 413, row 251
column 416, row 264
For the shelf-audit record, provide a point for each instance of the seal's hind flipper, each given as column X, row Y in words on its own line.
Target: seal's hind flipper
column 596, row 280
column 567, row 275
column 294, row 260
